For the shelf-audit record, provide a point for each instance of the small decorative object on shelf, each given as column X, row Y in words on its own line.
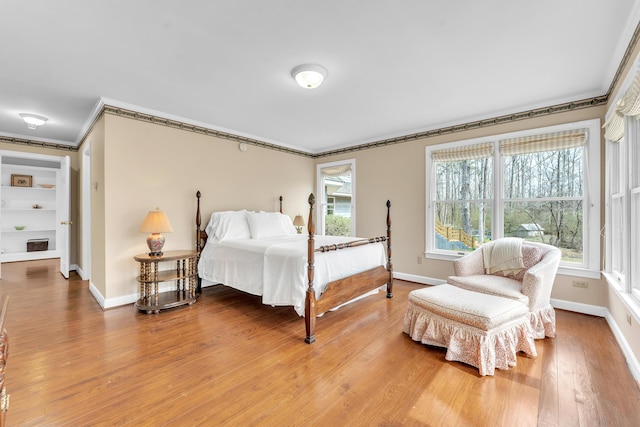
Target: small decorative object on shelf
column 19, row 227
column 34, row 245
column 21, row 180
column 37, row 206
column 46, row 185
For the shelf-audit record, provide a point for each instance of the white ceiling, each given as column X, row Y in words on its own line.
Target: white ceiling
column 395, row 67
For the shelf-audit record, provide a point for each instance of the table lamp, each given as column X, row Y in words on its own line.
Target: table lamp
column 156, row 222
column 298, row 223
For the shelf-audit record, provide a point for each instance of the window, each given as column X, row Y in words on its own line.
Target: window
column 622, row 170
column 535, row 184
column 336, row 198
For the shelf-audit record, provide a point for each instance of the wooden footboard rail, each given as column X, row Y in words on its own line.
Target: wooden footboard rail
column 343, row 290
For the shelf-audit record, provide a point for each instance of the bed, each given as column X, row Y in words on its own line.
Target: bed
column 261, row 253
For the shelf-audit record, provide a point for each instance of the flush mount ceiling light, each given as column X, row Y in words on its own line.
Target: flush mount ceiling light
column 309, row 76
column 32, row 120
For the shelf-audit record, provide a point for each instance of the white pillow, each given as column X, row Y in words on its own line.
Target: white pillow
column 269, row 224
column 228, row 225
column 287, row 223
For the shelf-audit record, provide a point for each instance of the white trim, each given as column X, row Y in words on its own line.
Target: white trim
column 620, row 48
column 127, row 299
column 591, row 229
column 138, row 109
column 578, row 307
column 97, row 109
column 97, row 295
column 321, row 196
column 632, row 361
column 85, row 208
column 418, row 279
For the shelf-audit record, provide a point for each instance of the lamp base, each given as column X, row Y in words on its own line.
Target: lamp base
column 155, row 242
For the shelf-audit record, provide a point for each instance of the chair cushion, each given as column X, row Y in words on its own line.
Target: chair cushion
column 479, row 310
column 491, row 284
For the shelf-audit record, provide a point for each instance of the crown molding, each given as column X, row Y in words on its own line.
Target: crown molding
column 34, row 143
column 177, row 124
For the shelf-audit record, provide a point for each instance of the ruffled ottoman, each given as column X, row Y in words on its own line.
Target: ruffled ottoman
column 482, row 330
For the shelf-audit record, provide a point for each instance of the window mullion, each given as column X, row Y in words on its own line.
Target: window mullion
column 497, row 230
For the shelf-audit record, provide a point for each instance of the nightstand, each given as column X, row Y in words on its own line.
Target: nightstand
column 184, row 273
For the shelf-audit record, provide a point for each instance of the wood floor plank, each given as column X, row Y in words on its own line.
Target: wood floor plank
column 230, row 360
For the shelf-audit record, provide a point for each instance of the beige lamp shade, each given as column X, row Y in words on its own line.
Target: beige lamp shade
column 156, row 222
column 298, row 222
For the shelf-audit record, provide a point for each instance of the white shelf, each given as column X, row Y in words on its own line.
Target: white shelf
column 17, row 209
column 34, row 188
column 28, row 256
column 27, row 209
column 28, row 230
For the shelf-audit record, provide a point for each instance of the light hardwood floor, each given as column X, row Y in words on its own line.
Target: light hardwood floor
column 229, row 360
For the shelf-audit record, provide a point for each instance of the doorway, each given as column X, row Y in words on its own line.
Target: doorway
column 85, row 270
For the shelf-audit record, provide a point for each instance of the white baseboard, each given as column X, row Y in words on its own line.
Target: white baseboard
column 96, row 294
column 632, row 361
column 418, row 279
column 132, row 298
column 593, row 310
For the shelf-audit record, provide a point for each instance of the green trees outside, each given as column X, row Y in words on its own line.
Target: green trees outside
column 542, row 197
column 336, row 225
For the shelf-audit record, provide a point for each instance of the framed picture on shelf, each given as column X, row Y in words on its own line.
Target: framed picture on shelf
column 21, row 180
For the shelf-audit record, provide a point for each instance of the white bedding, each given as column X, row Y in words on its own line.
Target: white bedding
column 276, row 267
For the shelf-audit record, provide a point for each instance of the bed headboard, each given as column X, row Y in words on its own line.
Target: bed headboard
column 201, row 235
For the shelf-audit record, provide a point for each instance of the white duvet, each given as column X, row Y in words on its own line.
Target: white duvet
column 276, row 267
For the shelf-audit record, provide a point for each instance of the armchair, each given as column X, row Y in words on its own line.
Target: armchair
column 532, row 286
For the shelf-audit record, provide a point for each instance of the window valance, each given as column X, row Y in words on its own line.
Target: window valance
column 545, row 142
column 468, row 152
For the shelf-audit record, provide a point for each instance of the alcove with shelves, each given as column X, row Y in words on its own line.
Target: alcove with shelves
column 30, row 207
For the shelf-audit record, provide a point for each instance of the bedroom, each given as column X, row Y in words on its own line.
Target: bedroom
column 137, row 165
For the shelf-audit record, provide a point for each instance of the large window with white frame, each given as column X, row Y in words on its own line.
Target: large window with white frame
column 622, row 170
column 541, row 185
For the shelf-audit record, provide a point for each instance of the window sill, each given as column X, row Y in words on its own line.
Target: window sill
column 563, row 270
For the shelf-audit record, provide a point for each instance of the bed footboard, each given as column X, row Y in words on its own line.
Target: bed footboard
column 343, row 290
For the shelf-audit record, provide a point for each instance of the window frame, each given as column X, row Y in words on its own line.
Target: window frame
column 590, row 267
column 321, row 196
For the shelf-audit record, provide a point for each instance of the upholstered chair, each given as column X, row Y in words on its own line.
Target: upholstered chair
column 532, row 286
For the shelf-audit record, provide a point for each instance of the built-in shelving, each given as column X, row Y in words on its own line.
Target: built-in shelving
column 32, row 205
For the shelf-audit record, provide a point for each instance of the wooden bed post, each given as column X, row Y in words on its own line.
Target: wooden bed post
column 389, row 263
column 198, row 222
column 280, row 204
column 310, row 298
column 198, row 240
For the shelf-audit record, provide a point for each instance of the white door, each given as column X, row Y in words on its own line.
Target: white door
column 63, row 208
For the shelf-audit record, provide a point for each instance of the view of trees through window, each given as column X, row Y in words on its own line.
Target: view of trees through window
column 464, row 198
column 542, row 200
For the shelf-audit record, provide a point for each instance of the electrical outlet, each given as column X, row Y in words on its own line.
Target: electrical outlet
column 420, row 259
column 580, row 284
